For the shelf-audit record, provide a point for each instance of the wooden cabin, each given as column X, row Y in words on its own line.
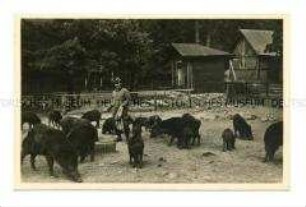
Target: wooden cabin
column 252, row 61
column 199, row 68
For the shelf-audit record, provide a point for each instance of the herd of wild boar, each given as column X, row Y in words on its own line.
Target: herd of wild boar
column 69, row 140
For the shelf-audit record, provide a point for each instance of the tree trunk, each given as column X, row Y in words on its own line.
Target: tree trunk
column 85, row 83
column 208, row 40
column 197, row 32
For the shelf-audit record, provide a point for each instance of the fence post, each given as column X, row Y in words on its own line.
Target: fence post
column 189, row 98
column 155, row 102
column 267, row 89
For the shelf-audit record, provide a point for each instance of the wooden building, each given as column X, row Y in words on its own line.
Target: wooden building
column 253, row 62
column 198, row 67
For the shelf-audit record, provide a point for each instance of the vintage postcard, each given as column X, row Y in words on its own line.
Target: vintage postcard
column 163, row 103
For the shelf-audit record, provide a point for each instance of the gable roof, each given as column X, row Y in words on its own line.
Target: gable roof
column 196, row 50
column 259, row 40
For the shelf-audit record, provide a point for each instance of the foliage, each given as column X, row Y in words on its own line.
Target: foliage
column 137, row 50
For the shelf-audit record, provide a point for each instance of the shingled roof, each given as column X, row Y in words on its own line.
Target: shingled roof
column 259, row 40
column 196, row 50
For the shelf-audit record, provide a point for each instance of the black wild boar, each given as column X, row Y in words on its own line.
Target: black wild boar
column 29, row 117
column 55, row 118
column 194, row 124
column 242, row 127
column 176, row 128
column 109, row 126
column 83, row 136
column 51, row 143
column 141, row 120
column 171, row 127
column 185, row 137
column 136, row 145
column 228, row 140
column 93, row 115
column 273, row 139
column 152, row 121
column 68, row 122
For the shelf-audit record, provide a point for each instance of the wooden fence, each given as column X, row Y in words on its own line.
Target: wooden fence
column 255, row 90
column 64, row 101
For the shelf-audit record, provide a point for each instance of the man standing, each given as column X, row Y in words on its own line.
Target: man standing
column 229, row 77
column 119, row 106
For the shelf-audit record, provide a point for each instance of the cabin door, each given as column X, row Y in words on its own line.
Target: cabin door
column 180, row 77
column 181, row 74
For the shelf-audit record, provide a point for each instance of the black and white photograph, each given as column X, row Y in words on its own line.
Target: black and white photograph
column 178, row 102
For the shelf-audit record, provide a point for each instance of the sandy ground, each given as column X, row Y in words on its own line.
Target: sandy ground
column 202, row 164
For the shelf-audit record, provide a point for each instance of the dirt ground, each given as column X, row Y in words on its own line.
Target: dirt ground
column 202, row 164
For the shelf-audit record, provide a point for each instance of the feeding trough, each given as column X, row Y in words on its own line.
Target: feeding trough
column 105, row 145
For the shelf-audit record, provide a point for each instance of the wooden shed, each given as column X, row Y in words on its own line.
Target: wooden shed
column 198, row 67
column 253, row 62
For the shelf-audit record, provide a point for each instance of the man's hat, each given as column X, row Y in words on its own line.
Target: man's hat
column 117, row 80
